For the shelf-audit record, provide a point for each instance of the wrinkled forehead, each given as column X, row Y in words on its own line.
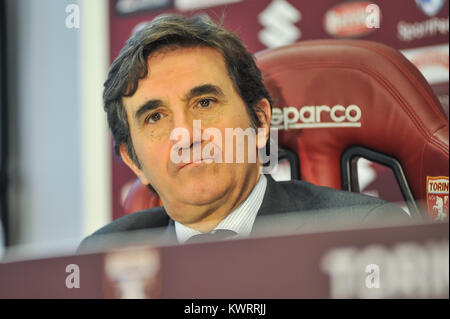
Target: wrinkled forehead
column 174, row 71
column 194, row 57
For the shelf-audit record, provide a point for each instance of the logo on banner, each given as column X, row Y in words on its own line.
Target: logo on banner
column 186, row 5
column 432, row 61
column 279, row 20
column 316, row 116
column 132, row 273
column 352, row 19
column 422, row 29
column 430, row 7
column 133, row 6
column 437, row 197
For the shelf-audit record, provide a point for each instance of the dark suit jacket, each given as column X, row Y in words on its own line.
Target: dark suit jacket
column 313, row 205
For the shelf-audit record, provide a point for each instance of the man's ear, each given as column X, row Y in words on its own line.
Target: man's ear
column 264, row 114
column 131, row 164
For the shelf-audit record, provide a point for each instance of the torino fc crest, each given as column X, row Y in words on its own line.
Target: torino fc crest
column 437, row 197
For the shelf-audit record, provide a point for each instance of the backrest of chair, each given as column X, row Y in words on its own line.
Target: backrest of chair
column 335, row 97
column 140, row 197
column 332, row 95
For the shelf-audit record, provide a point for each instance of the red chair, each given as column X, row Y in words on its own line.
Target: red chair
column 338, row 100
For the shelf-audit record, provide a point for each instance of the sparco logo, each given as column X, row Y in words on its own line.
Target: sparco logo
column 349, row 19
column 316, row 116
column 279, row 20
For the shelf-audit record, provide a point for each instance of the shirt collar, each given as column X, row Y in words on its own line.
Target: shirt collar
column 240, row 220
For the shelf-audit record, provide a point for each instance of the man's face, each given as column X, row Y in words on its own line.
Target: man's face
column 183, row 85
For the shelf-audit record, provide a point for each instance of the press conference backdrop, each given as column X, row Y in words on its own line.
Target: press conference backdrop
column 419, row 29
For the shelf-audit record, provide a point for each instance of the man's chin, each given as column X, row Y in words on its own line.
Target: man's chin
column 202, row 190
column 200, row 197
column 192, row 206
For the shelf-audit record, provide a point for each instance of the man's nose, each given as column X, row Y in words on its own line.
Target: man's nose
column 186, row 124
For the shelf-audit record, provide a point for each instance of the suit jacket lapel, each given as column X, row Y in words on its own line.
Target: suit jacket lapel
column 276, row 201
column 169, row 235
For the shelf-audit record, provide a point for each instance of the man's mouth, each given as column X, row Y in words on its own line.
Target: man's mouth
column 195, row 163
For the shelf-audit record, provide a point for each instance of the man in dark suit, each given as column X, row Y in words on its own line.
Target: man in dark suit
column 314, row 207
column 173, row 95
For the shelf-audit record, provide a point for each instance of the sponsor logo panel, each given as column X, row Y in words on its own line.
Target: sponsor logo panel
column 430, row 7
column 279, row 20
column 432, row 61
column 132, row 273
column 186, row 5
column 437, row 197
column 316, row 116
column 409, row 31
column 349, row 19
column 124, row 7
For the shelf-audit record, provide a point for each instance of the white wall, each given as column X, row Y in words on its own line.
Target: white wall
column 59, row 146
column 96, row 143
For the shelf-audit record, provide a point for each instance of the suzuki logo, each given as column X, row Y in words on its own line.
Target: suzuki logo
column 279, row 20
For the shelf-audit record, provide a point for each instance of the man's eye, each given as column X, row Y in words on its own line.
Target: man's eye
column 154, row 117
column 205, row 103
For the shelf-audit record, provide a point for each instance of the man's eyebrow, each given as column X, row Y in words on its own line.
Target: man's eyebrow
column 147, row 106
column 204, row 89
column 196, row 91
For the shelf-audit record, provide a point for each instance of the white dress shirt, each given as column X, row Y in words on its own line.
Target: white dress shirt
column 240, row 220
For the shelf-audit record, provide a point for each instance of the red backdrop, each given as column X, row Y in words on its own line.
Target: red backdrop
column 418, row 28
